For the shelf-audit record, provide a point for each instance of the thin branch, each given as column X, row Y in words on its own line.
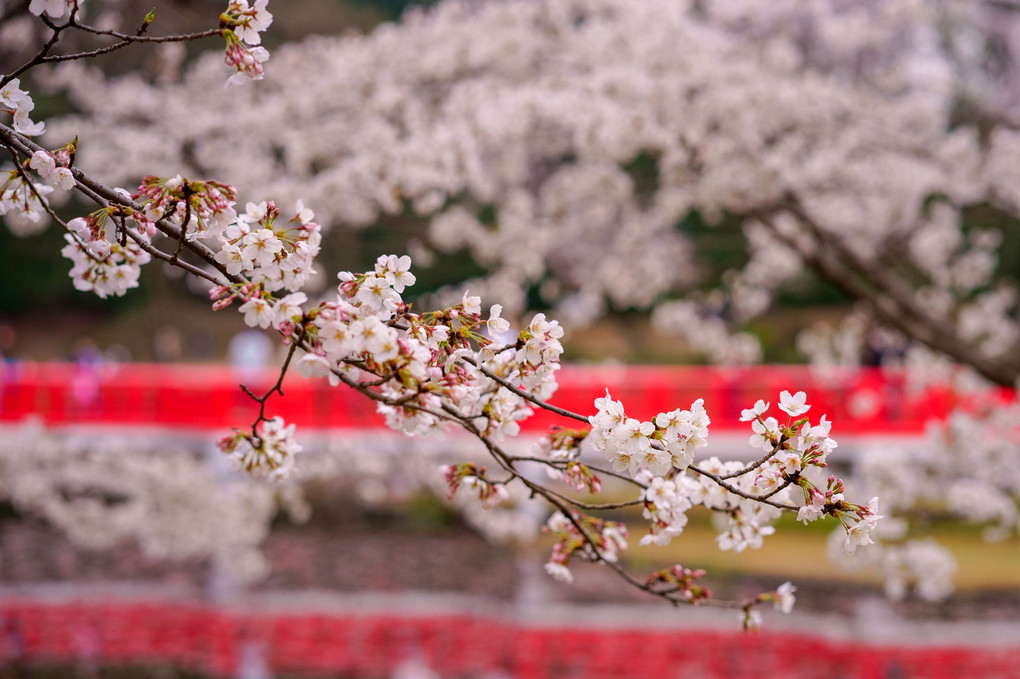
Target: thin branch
column 276, row 388
column 560, row 502
column 754, row 465
column 37, row 59
column 170, row 259
column 525, row 395
column 183, row 37
column 124, row 42
column 736, row 491
column 781, row 487
column 600, row 470
column 593, row 506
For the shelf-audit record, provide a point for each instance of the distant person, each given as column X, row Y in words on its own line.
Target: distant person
column 8, row 338
column 250, row 352
column 168, row 345
column 85, row 383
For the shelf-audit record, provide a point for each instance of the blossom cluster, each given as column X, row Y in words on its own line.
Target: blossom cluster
column 421, row 364
column 201, row 208
column 585, row 537
column 23, row 199
column 98, row 264
column 796, row 447
column 22, row 202
column 747, row 519
column 273, row 256
column 20, row 198
column 243, row 23
column 683, row 581
column 632, row 445
column 665, row 506
column 470, row 480
column 266, row 453
column 749, row 497
column 19, row 102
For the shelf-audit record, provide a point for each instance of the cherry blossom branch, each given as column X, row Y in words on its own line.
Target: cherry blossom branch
column 270, row 449
column 427, row 371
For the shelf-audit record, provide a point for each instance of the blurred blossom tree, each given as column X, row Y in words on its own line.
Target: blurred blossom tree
column 572, row 147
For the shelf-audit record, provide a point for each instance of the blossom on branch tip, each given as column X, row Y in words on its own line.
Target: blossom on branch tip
column 793, row 405
column 249, row 21
column 785, row 598
column 496, row 325
column 472, row 303
column 559, row 572
column 859, row 534
column 247, row 60
column 396, row 271
column 100, row 265
column 750, row 619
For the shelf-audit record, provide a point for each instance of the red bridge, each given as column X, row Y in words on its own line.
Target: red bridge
column 858, row 401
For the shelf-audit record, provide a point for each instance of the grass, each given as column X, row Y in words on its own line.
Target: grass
column 797, row 551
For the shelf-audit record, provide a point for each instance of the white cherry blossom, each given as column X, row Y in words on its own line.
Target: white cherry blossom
column 793, row 405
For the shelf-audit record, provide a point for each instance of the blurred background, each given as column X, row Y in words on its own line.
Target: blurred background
column 631, row 171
